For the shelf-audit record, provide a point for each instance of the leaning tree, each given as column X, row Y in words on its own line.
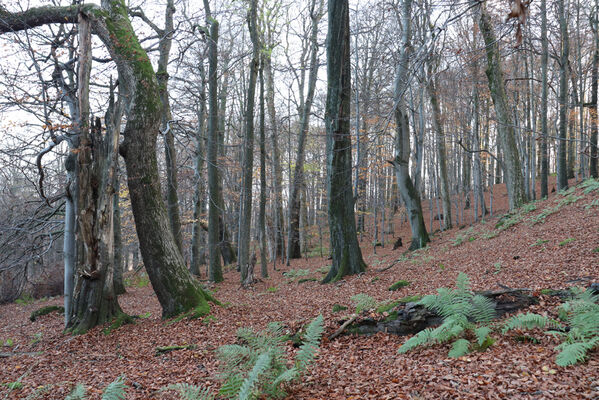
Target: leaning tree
column 176, row 289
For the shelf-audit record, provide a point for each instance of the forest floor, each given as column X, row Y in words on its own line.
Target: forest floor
column 560, row 252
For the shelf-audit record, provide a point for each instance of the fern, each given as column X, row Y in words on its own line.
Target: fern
column 115, row 390
column 460, row 347
column 262, row 364
column 363, row 302
column 460, row 309
column 529, row 321
column 78, row 393
column 573, row 353
column 190, row 392
column 311, row 341
column 582, row 317
column 257, row 366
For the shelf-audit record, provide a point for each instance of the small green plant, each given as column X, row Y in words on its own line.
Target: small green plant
column 13, row 385
column 208, row 319
column 140, row 280
column 594, row 203
column 581, row 315
column 539, row 242
column 497, row 267
column 37, row 337
column 410, row 299
column 398, row 285
column 458, row 307
column 458, row 240
column 363, row 302
column 272, row 289
column 189, row 392
column 596, row 250
column 8, row 342
column 114, row 391
column 324, row 270
column 296, row 273
column 565, row 242
column 145, row 315
column 375, row 279
column 590, row 185
column 338, row 308
column 258, row 367
column 387, row 306
column 118, row 321
column 25, row 299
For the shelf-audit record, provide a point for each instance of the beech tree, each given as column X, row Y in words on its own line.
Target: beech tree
column 176, row 290
column 345, row 249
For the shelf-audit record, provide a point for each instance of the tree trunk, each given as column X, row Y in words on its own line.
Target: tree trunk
column 346, row 253
column 175, row 288
column 215, row 272
column 279, row 237
column 172, row 198
column 505, row 127
column 245, row 214
column 94, row 299
column 441, row 152
column 594, row 171
column 262, row 212
column 293, row 235
column 409, row 195
column 562, row 167
column 199, row 193
column 544, row 86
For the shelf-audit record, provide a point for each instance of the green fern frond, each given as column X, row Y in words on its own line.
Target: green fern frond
column 248, row 384
column 363, row 302
column 483, row 309
column 482, row 333
column 420, row 339
column 463, row 282
column 590, row 185
column 310, row 345
column 232, row 385
column 529, row 321
column 573, row 353
column 190, row 392
column 78, row 393
column 115, row 390
column 460, row 347
column 286, row 376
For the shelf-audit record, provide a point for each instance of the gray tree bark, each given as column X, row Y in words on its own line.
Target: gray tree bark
column 245, row 214
column 345, row 249
column 505, row 127
column 562, row 166
column 215, row 273
column 544, row 86
column 407, row 191
column 293, row 232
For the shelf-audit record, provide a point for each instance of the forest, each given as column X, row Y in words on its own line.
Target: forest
column 335, row 199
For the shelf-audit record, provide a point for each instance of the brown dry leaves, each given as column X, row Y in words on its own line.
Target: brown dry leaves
column 349, row 367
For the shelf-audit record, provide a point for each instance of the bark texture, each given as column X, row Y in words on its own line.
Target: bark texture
column 505, row 126
column 345, row 249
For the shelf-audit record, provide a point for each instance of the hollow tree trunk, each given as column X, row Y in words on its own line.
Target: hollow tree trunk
column 94, row 299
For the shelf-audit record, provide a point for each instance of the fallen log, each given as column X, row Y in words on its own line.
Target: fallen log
column 413, row 317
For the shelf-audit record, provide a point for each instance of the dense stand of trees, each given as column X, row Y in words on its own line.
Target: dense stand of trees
column 421, row 105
